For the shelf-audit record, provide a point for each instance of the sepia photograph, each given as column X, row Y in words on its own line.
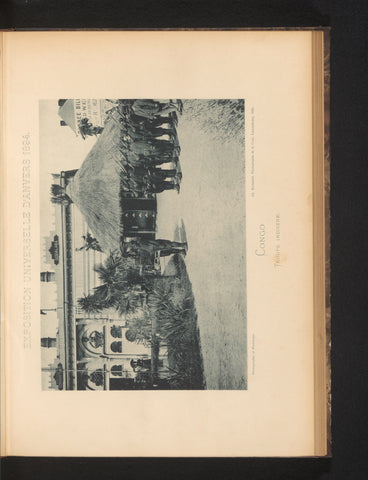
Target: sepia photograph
column 166, row 232
column 143, row 273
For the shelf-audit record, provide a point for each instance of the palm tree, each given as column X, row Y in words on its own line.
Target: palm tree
column 109, row 293
column 118, row 276
column 86, row 128
column 118, row 272
column 92, row 303
column 58, row 195
column 108, row 275
column 90, row 243
column 130, row 302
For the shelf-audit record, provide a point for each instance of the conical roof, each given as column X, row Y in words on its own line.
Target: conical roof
column 95, row 189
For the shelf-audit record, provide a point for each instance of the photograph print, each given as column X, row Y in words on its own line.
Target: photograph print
column 143, row 253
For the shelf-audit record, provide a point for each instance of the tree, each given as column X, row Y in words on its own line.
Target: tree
column 90, row 243
column 117, row 275
column 92, row 303
column 121, row 286
column 120, row 278
column 130, row 301
column 110, row 277
column 87, row 129
column 59, row 196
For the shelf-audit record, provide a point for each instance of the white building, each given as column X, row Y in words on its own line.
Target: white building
column 73, row 111
column 93, row 351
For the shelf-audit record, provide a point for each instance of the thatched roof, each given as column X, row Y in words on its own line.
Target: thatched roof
column 95, row 188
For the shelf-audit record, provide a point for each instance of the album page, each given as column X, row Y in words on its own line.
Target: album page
column 158, row 243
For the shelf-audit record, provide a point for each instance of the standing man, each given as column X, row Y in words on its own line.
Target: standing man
column 159, row 174
column 136, row 246
column 151, row 108
column 171, row 120
column 159, row 186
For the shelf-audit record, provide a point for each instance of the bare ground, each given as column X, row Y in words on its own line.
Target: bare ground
column 212, row 204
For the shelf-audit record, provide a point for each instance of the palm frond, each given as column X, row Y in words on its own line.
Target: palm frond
column 91, row 303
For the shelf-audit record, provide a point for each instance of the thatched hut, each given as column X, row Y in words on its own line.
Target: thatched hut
column 96, row 186
column 96, row 191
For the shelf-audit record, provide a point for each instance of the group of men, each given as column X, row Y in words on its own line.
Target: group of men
column 148, row 140
column 145, row 247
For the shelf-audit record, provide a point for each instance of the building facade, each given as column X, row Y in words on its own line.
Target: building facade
column 73, row 111
column 94, row 351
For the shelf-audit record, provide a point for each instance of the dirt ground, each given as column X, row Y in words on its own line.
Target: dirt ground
column 212, row 204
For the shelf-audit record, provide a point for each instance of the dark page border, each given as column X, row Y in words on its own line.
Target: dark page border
column 349, row 187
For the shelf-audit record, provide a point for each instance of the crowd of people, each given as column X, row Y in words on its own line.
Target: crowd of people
column 148, row 141
column 147, row 247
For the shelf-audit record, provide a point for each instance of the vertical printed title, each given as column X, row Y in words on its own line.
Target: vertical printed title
column 26, row 237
